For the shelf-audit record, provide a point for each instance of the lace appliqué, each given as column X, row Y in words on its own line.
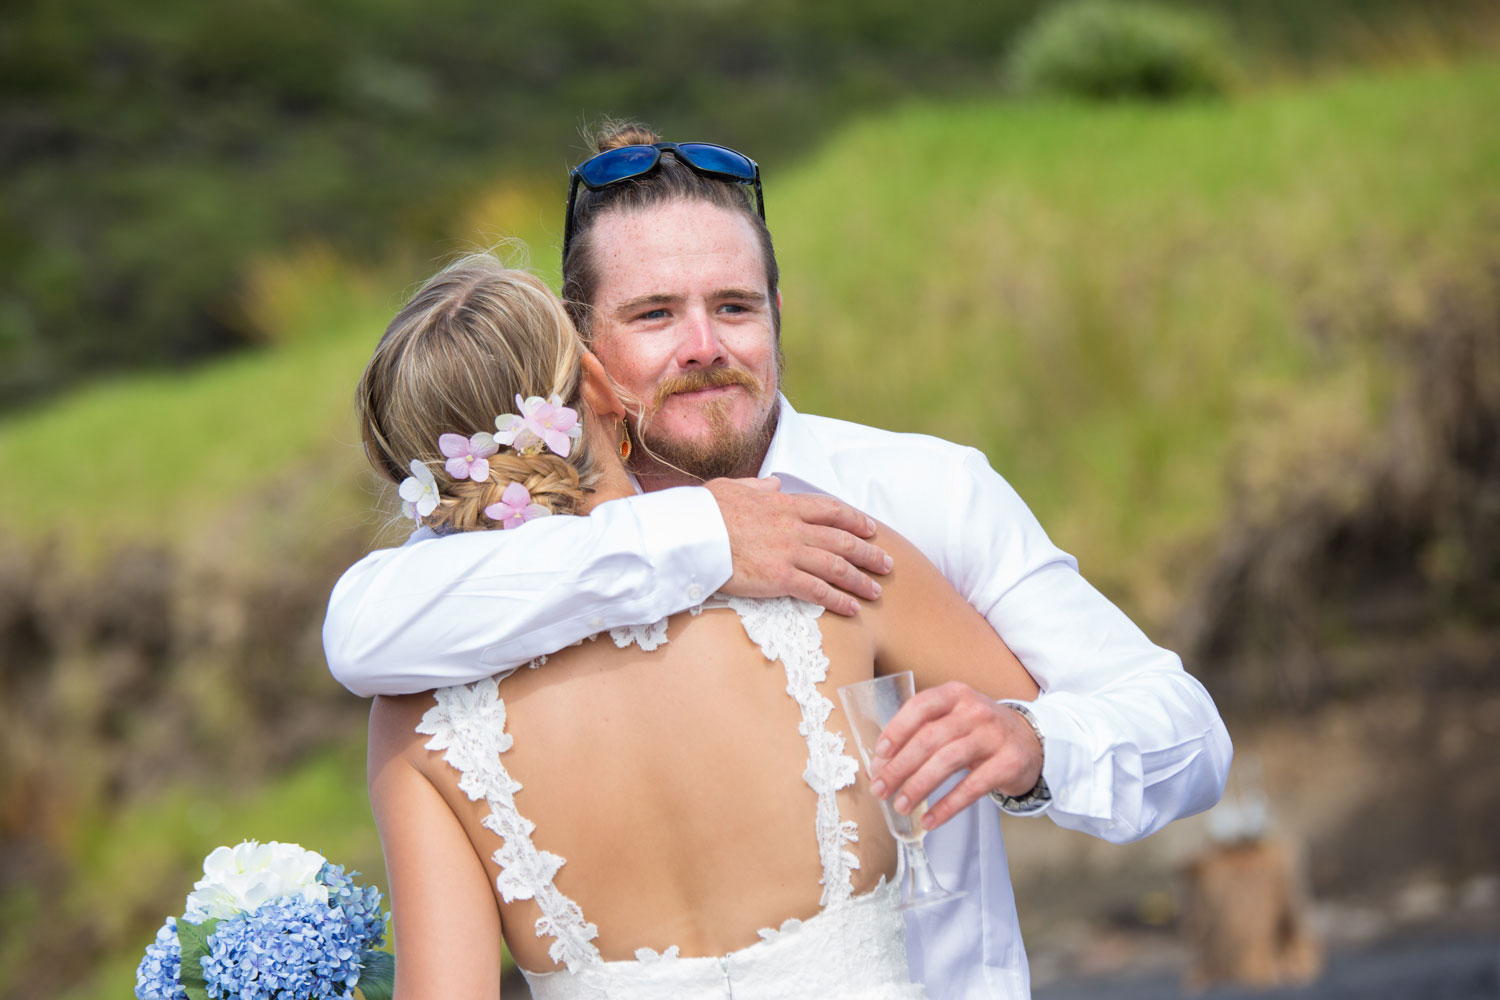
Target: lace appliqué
column 648, row 637
column 468, row 725
column 787, row 630
column 788, row 926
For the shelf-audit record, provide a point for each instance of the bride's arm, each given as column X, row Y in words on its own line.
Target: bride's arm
column 923, row 625
column 446, row 921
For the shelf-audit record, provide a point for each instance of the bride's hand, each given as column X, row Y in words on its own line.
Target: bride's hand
column 804, row 545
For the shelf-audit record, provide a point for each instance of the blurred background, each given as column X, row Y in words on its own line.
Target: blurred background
column 1215, row 285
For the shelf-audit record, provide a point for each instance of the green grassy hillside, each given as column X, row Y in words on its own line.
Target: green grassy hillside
column 1116, row 304
column 1127, row 308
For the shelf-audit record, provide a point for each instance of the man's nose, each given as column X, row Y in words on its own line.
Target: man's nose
column 701, row 346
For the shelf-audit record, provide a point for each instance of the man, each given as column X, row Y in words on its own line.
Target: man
column 671, row 277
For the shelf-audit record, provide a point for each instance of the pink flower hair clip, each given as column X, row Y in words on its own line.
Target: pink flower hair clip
column 541, row 423
column 515, row 508
column 468, row 458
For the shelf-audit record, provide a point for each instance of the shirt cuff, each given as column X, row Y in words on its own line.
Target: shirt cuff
column 1079, row 776
column 684, row 534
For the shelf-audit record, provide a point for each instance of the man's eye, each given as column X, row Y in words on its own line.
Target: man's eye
column 733, row 307
column 653, row 314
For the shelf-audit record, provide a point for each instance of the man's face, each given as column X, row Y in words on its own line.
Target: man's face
column 682, row 320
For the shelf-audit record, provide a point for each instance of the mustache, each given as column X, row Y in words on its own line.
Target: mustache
column 704, row 378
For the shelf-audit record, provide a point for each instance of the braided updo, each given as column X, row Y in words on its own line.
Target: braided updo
column 475, row 336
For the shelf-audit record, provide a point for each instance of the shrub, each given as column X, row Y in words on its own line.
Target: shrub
column 1106, row 49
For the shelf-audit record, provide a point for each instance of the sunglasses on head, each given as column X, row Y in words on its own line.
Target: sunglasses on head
column 615, row 166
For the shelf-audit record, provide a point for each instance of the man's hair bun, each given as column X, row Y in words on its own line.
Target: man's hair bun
column 612, row 134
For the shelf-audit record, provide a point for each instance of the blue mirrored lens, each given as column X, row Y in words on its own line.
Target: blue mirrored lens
column 706, row 156
column 617, row 164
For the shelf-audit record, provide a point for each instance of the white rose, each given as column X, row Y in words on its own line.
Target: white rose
column 239, row 879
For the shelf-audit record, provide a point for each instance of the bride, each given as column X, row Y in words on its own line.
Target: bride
column 671, row 810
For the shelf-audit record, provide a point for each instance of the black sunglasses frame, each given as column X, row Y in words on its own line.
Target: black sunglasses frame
column 684, row 154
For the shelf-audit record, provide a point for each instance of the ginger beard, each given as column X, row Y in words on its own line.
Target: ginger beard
column 727, row 451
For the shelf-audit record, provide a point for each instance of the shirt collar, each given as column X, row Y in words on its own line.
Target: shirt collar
column 797, row 458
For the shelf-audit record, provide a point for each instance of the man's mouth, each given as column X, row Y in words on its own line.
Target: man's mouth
column 708, row 391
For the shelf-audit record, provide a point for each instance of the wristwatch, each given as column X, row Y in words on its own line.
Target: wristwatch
column 1040, row 795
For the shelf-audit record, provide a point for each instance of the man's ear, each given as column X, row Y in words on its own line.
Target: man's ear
column 598, row 391
column 778, row 300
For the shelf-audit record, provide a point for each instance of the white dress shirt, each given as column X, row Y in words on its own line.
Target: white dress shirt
column 1132, row 741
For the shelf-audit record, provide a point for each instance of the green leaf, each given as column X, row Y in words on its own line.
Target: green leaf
column 193, row 938
column 377, row 977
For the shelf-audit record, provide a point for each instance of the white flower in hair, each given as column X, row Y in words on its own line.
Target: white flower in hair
column 419, row 491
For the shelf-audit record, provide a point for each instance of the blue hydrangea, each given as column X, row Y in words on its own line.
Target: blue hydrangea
column 360, row 904
column 288, row 947
column 156, row 977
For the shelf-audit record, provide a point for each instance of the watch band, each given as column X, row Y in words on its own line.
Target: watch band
column 1040, row 795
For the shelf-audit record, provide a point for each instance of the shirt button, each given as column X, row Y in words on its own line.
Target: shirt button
column 695, row 593
column 596, row 623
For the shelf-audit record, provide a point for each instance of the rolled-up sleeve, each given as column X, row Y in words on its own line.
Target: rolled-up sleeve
column 451, row 610
column 1133, row 741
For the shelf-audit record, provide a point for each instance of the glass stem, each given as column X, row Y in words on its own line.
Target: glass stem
column 921, row 881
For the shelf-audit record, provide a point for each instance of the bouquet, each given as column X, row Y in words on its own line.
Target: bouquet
column 270, row 922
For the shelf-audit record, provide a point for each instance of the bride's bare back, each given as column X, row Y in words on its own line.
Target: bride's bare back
column 671, row 781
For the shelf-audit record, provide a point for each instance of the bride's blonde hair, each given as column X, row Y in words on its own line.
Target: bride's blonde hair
column 473, row 337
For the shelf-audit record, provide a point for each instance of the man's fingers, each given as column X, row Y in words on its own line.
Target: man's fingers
column 906, row 762
column 864, row 555
column 971, row 789
column 806, row 546
column 955, row 730
column 815, row 508
column 814, row 590
column 947, row 760
column 916, row 713
column 838, row 571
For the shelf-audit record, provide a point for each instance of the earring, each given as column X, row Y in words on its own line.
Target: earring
column 624, row 442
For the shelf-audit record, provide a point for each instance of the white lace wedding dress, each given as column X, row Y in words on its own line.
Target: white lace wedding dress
column 855, row 947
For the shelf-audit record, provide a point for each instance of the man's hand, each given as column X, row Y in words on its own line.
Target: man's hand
column 944, row 730
column 806, row 545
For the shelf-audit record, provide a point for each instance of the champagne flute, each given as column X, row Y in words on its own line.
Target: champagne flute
column 870, row 705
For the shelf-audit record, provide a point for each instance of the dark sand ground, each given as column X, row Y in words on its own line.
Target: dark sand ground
column 1436, row 966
